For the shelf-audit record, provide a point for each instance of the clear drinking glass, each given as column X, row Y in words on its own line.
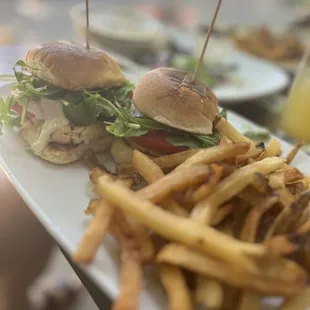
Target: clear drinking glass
column 295, row 117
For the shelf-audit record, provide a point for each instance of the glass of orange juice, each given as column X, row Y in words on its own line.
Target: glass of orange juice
column 295, row 117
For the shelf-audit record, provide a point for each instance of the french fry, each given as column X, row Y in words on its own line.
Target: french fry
column 173, row 160
column 251, row 196
column 178, row 229
column 252, row 221
column 209, row 293
column 283, row 277
column 232, row 297
column 254, row 153
column 125, row 169
column 173, row 281
column 174, row 207
column 95, row 174
column 164, row 162
column 150, row 171
column 92, row 207
column 286, row 198
column 286, row 220
column 224, row 139
column 222, row 213
column 287, row 244
column 215, row 154
column 176, row 181
column 293, row 152
column 250, row 301
column 94, row 234
column 231, row 186
column 300, row 302
column 259, row 182
column 229, row 131
column 273, row 148
column 131, row 275
column 295, row 188
column 292, row 175
column 277, row 180
column 205, row 189
column 142, row 237
column 228, row 169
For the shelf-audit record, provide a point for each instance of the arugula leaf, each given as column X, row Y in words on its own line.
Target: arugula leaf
column 81, row 108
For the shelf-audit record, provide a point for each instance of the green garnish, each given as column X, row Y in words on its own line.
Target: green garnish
column 256, row 134
column 189, row 63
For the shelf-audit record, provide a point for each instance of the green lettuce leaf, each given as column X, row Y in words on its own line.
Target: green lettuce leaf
column 81, row 108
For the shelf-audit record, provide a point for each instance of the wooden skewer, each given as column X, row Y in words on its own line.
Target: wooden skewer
column 207, row 39
column 87, row 23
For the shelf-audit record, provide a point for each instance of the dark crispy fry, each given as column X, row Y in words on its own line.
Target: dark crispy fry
column 231, row 297
column 222, row 213
column 251, row 196
column 228, row 169
column 252, row 221
column 291, row 155
column 287, row 244
column 296, row 188
column 286, row 221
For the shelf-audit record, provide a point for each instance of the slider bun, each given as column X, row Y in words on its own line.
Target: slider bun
column 71, row 66
column 167, row 96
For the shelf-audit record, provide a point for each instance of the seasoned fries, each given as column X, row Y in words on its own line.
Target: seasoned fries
column 234, row 218
column 253, row 219
column 232, row 185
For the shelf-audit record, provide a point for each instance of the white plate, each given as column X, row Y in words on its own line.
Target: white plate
column 255, row 77
column 57, row 195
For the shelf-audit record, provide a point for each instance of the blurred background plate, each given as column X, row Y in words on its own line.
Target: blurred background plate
column 124, row 29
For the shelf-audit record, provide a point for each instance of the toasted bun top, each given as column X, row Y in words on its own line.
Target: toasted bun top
column 168, row 96
column 71, row 66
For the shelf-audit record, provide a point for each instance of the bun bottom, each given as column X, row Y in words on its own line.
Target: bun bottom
column 65, row 154
column 62, row 151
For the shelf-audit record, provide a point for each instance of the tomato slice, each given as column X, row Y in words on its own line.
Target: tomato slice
column 156, row 141
column 18, row 109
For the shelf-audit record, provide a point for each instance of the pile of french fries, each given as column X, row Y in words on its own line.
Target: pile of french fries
column 223, row 227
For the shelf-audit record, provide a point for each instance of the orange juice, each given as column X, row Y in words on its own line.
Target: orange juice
column 295, row 118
